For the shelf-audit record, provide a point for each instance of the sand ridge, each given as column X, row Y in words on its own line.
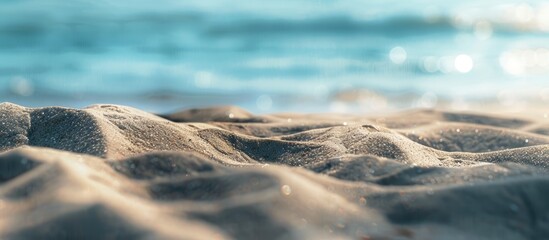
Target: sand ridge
column 115, row 172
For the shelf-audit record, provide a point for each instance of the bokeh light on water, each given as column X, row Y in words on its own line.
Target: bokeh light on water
column 267, row 56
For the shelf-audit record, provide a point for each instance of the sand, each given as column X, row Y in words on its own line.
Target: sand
column 114, row 172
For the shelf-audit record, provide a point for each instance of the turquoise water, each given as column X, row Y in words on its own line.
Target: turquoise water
column 266, row 56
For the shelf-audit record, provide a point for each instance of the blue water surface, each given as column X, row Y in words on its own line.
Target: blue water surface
column 270, row 56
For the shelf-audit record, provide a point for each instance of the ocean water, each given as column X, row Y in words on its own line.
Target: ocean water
column 270, row 56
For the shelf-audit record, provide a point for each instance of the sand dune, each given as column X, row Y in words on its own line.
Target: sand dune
column 114, row 172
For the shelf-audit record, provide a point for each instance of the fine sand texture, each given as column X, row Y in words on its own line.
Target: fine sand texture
column 114, row 172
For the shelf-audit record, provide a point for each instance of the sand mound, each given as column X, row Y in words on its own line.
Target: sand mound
column 215, row 114
column 113, row 172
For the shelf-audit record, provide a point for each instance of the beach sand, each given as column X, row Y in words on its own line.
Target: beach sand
column 114, row 172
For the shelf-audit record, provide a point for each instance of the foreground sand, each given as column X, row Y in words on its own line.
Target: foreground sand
column 113, row 172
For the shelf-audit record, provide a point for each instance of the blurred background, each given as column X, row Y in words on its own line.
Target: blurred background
column 271, row 56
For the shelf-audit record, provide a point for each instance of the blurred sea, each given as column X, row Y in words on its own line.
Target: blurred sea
column 269, row 56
